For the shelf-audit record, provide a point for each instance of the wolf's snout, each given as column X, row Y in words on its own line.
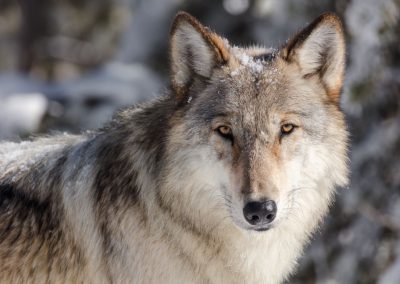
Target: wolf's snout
column 260, row 212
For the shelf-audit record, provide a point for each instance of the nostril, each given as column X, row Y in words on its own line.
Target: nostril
column 255, row 218
column 270, row 217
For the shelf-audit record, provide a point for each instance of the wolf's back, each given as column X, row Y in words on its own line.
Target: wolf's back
column 20, row 155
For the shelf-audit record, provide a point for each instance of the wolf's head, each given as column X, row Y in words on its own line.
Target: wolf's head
column 258, row 131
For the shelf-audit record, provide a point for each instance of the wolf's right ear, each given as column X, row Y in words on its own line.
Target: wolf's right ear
column 195, row 51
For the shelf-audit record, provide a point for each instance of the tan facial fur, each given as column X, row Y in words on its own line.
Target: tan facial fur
column 257, row 91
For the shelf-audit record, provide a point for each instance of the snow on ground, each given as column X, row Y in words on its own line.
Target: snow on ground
column 27, row 106
column 21, row 113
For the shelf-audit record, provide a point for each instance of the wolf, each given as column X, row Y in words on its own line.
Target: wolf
column 223, row 179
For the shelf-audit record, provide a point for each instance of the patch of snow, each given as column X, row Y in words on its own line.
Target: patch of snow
column 21, row 113
column 236, row 71
column 80, row 104
column 255, row 65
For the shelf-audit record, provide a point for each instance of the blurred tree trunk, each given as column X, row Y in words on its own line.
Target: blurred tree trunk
column 34, row 27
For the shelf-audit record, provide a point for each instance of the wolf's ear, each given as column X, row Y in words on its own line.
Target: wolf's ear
column 319, row 49
column 195, row 50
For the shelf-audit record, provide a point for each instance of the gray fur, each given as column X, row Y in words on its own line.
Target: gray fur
column 157, row 195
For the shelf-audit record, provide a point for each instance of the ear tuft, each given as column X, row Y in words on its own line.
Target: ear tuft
column 195, row 51
column 319, row 49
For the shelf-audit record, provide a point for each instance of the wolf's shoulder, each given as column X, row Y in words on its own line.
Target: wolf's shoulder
column 24, row 153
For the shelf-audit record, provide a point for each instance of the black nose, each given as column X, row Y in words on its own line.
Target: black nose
column 260, row 212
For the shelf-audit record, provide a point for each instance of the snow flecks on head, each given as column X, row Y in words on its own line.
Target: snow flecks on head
column 262, row 67
column 272, row 77
column 236, row 71
column 246, row 61
column 257, row 64
column 254, row 64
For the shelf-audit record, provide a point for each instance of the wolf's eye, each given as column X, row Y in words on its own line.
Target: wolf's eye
column 225, row 132
column 287, row 128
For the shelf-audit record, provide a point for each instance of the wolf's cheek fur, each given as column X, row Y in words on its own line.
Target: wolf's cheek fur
column 227, row 155
column 204, row 179
column 213, row 164
column 223, row 148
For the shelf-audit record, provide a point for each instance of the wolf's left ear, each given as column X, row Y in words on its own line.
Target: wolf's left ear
column 319, row 49
column 195, row 51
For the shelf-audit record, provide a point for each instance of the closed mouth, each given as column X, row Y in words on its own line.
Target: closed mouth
column 262, row 229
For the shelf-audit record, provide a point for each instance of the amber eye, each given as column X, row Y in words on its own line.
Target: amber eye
column 225, row 132
column 287, row 128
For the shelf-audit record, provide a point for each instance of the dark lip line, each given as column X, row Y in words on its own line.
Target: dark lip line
column 261, row 229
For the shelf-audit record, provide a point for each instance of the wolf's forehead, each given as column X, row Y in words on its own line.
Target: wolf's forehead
column 259, row 83
column 253, row 85
column 264, row 97
column 252, row 61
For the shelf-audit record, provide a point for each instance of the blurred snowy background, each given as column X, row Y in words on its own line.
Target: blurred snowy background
column 67, row 65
